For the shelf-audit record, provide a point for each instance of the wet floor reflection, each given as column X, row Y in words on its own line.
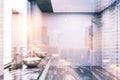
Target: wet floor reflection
column 69, row 73
column 78, row 73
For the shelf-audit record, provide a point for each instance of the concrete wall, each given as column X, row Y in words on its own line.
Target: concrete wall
column 21, row 8
column 1, row 35
column 7, row 6
column 34, row 25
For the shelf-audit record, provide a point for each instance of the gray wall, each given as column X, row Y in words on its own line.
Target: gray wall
column 67, row 33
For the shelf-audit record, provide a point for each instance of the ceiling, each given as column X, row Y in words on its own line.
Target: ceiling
column 68, row 6
column 45, row 5
column 72, row 5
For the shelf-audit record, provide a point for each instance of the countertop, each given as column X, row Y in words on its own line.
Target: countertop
column 27, row 73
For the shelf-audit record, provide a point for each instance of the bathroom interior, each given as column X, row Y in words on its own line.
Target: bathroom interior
column 60, row 40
